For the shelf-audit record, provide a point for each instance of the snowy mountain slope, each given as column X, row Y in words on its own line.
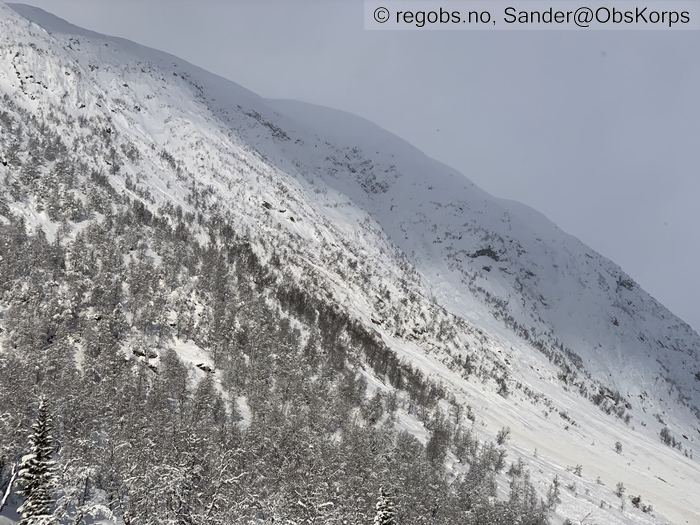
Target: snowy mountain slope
column 468, row 243
column 394, row 237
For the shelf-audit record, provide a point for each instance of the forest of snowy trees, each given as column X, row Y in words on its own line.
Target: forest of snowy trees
column 101, row 418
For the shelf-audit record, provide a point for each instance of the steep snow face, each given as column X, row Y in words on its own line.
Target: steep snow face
column 469, row 244
column 409, row 246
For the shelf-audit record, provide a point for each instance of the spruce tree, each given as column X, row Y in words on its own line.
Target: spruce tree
column 385, row 510
column 37, row 472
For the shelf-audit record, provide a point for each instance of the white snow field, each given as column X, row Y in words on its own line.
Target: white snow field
column 441, row 269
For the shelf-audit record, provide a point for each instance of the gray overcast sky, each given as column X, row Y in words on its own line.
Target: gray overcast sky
column 598, row 130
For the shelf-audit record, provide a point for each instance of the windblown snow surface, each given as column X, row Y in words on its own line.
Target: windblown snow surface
column 413, row 249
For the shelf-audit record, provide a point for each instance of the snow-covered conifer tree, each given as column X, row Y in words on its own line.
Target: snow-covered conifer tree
column 385, row 510
column 37, row 472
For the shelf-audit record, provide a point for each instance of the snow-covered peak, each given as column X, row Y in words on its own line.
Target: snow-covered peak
column 220, row 91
